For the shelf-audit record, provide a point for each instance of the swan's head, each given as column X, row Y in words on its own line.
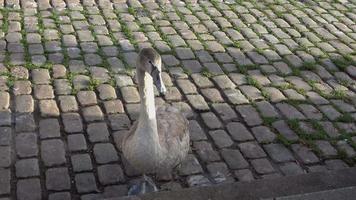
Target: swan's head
column 150, row 61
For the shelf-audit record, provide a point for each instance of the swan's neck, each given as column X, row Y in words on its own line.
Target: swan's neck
column 147, row 125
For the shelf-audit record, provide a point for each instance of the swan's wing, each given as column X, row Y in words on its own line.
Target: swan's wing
column 173, row 136
column 129, row 133
column 171, row 125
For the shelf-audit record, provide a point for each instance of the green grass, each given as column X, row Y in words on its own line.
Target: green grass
column 253, row 82
column 205, row 72
column 93, row 84
column 346, row 117
column 268, row 121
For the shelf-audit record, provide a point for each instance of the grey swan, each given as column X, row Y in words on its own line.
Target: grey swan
column 159, row 140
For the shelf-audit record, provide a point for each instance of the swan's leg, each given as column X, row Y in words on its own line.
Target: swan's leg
column 145, row 185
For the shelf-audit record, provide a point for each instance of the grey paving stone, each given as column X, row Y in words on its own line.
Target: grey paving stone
column 279, row 153
column 92, row 113
column 212, row 95
column 249, row 114
column 68, row 104
column 235, row 96
column 291, row 168
column 239, row 132
column 76, row 142
column 262, row 166
column 244, row 175
column 113, row 107
column 26, row 145
column 119, row 121
column 29, row 189
column 57, row 179
column 190, row 166
column 283, row 128
column 105, row 153
column 85, row 183
column 330, row 112
column 5, row 136
column 72, row 122
column 27, row 168
column 198, row 102
column 251, row 92
column 305, row 154
column 53, row 152
column 5, row 178
column 206, row 151
column 326, row 148
column 263, row 134
column 109, row 174
column 59, row 196
column 289, row 111
column 87, row 98
column 251, row 150
column 48, row 108
column 196, row 132
column 221, row 138
column 5, row 156
column 98, row 132
column 211, row 120
column 49, row 128
column 81, row 162
column 234, row 159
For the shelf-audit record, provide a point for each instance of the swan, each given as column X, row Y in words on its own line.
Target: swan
column 159, row 140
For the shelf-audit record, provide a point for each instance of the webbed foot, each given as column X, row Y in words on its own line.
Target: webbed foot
column 146, row 185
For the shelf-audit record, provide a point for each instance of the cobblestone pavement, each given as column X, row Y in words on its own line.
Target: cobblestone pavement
column 268, row 86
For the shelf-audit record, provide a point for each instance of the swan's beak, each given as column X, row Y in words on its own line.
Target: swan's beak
column 157, row 79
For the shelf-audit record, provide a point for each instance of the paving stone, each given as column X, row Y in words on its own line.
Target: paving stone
column 105, row 153
column 220, row 172
column 72, row 122
column 92, row 113
column 59, row 196
column 335, row 164
column 198, row 102
column 267, row 110
column 53, row 152
column 326, row 148
column 48, row 108
column 5, row 156
column 211, row 120
column 40, row 76
column 109, row 174
column 57, row 179
column 5, row 178
column 289, row 111
column 223, row 82
column 221, row 138
column 212, row 95
column 22, row 87
column 26, row 145
column 29, row 189
column 4, row 100
column 239, row 132
column 76, row 142
column 201, row 81
column 5, row 136
column 49, row 128
column 262, row 166
column 249, row 114
column 311, row 112
column 68, row 104
column 113, row 107
column 119, row 121
column 330, row 112
column 24, row 104
column 85, row 183
column 251, row 92
column 43, row 92
column 263, row 134
column 27, row 168
column 252, row 150
column 244, row 175
column 98, row 132
column 106, row 92
column 235, row 96
column 234, row 159
column 206, row 151
column 81, row 162
column 190, row 166
column 279, row 153
column 196, row 132
column 291, row 168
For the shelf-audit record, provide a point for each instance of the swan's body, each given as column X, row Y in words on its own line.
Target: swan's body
column 159, row 140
